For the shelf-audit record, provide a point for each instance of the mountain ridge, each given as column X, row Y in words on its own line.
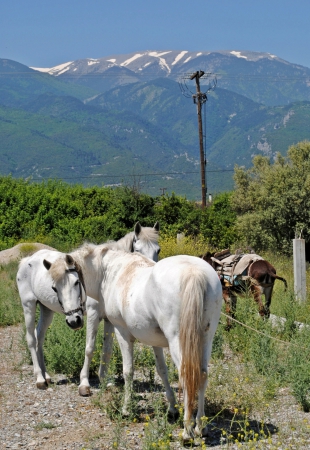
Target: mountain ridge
column 260, row 76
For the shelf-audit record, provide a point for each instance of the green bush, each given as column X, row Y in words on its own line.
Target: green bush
column 11, row 311
column 64, row 349
column 64, row 216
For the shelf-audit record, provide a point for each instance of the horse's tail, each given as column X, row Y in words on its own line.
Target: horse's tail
column 191, row 331
column 276, row 277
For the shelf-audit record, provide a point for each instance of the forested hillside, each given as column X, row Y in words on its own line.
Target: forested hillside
column 142, row 134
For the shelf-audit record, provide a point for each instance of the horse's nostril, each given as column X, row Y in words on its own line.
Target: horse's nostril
column 75, row 322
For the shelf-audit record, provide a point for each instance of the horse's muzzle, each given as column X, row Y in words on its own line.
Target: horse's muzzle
column 75, row 322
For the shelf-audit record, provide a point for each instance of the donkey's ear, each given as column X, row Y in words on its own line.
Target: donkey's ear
column 156, row 226
column 69, row 260
column 137, row 229
column 47, row 264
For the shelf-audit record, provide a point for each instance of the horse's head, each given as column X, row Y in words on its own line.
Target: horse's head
column 145, row 241
column 68, row 285
column 208, row 257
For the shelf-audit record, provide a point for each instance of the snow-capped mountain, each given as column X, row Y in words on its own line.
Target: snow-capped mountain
column 262, row 77
column 167, row 62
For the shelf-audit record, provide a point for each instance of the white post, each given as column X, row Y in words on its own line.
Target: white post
column 180, row 237
column 299, row 257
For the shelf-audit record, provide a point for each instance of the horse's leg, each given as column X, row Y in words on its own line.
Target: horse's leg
column 268, row 294
column 163, row 373
column 126, row 341
column 231, row 303
column 29, row 307
column 46, row 317
column 107, row 349
column 257, row 294
column 188, row 432
column 201, row 430
column 92, row 314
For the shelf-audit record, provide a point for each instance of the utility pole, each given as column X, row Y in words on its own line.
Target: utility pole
column 163, row 190
column 199, row 99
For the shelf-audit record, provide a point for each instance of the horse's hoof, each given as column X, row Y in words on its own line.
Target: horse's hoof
column 48, row 380
column 173, row 414
column 42, row 385
column 84, row 391
column 202, row 432
column 188, row 437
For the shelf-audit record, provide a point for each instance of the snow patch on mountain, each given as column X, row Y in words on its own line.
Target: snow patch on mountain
column 92, row 61
column 238, row 54
column 57, row 70
column 164, row 65
column 130, row 60
column 179, row 56
column 158, row 54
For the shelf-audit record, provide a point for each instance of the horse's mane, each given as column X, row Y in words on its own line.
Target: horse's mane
column 147, row 234
column 58, row 269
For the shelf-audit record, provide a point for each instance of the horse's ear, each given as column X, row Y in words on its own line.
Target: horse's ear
column 69, row 260
column 47, row 264
column 156, row 226
column 137, row 229
column 207, row 257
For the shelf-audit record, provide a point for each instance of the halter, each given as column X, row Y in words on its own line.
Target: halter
column 132, row 244
column 82, row 303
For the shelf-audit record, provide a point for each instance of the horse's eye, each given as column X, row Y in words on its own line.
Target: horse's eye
column 77, row 282
column 54, row 289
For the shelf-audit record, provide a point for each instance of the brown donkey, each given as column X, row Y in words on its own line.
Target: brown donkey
column 242, row 273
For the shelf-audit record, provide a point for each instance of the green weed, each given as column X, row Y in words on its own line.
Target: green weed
column 47, row 425
column 11, row 312
column 64, row 348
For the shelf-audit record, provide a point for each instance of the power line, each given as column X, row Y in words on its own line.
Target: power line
column 128, row 175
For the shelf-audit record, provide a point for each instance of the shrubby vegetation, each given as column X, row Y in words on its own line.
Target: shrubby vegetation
column 64, row 215
column 272, row 201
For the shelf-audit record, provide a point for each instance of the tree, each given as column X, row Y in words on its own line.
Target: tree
column 272, row 201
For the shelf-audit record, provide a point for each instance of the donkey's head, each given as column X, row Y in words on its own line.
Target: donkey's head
column 145, row 241
column 208, row 258
column 68, row 285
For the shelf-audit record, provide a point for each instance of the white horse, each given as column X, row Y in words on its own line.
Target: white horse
column 175, row 303
column 39, row 282
column 145, row 241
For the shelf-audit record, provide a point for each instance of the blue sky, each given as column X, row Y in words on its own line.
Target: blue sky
column 45, row 33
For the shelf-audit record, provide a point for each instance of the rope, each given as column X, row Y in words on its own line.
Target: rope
column 263, row 334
